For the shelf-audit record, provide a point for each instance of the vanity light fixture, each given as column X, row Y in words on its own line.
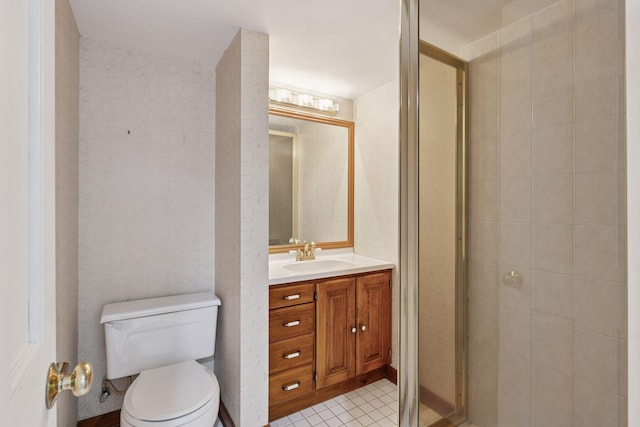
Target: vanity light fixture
column 292, row 99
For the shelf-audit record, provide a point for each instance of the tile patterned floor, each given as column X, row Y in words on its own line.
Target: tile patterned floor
column 373, row 405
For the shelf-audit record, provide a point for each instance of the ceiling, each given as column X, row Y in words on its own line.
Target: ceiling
column 338, row 47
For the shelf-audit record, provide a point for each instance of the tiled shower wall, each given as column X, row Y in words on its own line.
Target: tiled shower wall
column 547, row 200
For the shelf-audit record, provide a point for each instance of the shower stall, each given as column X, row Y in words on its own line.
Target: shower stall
column 513, row 214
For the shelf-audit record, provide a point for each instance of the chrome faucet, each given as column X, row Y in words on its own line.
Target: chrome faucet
column 308, row 252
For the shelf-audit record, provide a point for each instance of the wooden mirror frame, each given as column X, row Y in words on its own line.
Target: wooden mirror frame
column 350, row 126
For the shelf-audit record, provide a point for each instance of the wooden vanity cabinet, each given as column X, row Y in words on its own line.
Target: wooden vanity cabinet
column 292, row 329
column 336, row 330
column 331, row 332
column 373, row 317
column 353, row 324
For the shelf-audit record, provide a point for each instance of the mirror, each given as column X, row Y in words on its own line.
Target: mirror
column 310, row 180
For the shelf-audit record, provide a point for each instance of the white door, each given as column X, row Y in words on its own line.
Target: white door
column 27, row 222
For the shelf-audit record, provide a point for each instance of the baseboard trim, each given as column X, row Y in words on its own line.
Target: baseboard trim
column 391, row 373
column 435, row 402
column 225, row 417
column 110, row 419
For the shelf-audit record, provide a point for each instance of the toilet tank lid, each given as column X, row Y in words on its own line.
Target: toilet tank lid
column 153, row 306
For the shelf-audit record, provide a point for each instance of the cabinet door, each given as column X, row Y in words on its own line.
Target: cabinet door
column 373, row 313
column 335, row 345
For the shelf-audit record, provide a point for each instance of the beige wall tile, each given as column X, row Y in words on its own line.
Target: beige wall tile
column 515, row 334
column 552, row 345
column 483, row 160
column 483, row 119
column 597, row 361
column 483, row 80
column 552, row 150
column 557, row 17
column 483, row 384
column 598, row 92
column 587, row 7
column 515, row 200
column 601, row 253
column 483, row 242
column 600, row 307
column 515, row 154
column 515, row 68
column 553, row 294
column 542, row 420
column 554, row 110
column 553, row 50
column 483, row 200
column 594, row 407
column 621, row 197
column 553, row 199
column 514, row 378
column 483, row 283
column 553, row 248
column 597, row 143
column 553, row 395
column 483, row 324
column 512, row 413
column 598, row 38
column 548, row 80
column 515, row 108
column 515, row 245
column 597, row 197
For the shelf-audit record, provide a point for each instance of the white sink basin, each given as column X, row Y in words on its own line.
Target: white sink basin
column 318, row 266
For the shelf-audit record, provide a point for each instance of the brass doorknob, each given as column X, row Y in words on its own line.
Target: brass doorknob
column 59, row 380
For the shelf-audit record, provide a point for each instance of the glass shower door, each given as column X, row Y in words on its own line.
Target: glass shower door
column 441, row 239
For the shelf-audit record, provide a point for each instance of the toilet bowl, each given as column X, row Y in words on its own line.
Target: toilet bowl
column 160, row 339
column 184, row 394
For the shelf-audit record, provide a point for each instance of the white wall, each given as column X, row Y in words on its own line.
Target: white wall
column 633, row 202
column 376, row 184
column 242, row 227
column 146, row 210
column 67, row 81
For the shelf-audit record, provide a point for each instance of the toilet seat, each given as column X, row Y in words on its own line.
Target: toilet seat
column 184, row 394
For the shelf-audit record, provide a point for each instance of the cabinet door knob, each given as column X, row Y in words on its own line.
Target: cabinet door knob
column 291, row 386
column 353, row 330
column 290, row 324
column 363, row 328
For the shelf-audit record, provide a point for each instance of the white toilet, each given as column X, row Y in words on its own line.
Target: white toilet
column 160, row 339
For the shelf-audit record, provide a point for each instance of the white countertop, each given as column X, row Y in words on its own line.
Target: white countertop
column 278, row 274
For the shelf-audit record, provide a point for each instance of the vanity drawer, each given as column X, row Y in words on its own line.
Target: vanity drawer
column 292, row 352
column 290, row 384
column 288, row 295
column 292, row 321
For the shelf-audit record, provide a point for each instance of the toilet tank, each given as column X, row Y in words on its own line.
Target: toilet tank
column 150, row 333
